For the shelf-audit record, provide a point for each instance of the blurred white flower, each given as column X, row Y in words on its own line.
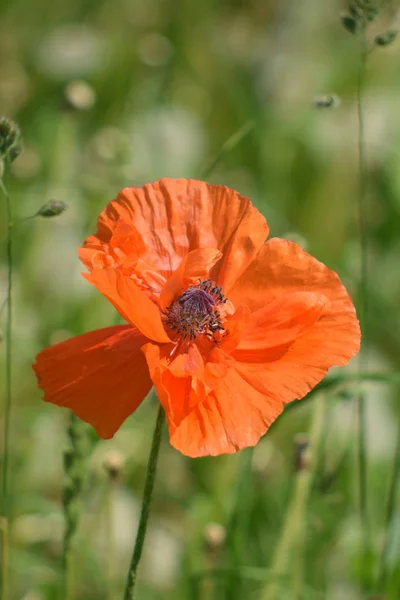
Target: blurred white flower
column 154, row 50
column 166, row 141
column 70, row 51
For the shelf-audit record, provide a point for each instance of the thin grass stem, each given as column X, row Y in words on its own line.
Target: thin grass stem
column 4, row 546
column 228, row 145
column 393, row 488
column 363, row 289
column 144, row 515
column 238, row 526
column 293, row 532
column 110, row 506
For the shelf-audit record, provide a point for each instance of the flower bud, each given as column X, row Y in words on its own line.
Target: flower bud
column 364, row 10
column 301, row 451
column 385, row 39
column 52, row 208
column 10, row 140
column 79, row 95
column 349, row 24
column 214, row 536
column 326, row 101
column 113, row 464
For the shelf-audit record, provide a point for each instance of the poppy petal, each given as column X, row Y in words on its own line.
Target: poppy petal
column 210, row 409
column 270, row 330
column 102, row 376
column 177, row 381
column 231, row 417
column 281, row 269
column 130, row 301
column 177, row 216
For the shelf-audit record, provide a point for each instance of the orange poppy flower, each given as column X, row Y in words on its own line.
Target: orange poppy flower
column 226, row 326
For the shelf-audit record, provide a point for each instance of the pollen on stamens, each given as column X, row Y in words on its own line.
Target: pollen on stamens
column 195, row 312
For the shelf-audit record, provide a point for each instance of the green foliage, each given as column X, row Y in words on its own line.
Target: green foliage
column 182, row 89
column 387, row 38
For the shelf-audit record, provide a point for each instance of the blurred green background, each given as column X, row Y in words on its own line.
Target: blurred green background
column 113, row 94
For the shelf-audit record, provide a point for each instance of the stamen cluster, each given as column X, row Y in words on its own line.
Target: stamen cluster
column 195, row 311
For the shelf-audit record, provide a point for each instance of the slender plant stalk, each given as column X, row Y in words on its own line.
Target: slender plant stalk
column 75, row 469
column 363, row 290
column 7, row 415
column 144, row 515
column 110, row 538
column 228, row 145
column 293, row 532
column 5, row 504
column 391, row 502
column 4, row 589
column 238, row 526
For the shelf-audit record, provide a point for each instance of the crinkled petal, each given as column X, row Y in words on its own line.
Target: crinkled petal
column 270, row 331
column 124, row 252
column 132, row 303
column 178, row 380
column 234, row 415
column 210, row 409
column 102, row 376
column 177, row 216
column 281, row 269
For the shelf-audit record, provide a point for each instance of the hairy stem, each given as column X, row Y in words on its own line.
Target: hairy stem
column 7, row 413
column 5, row 504
column 144, row 515
column 74, row 466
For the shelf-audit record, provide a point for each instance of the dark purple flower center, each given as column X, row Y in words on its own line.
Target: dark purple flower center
column 195, row 311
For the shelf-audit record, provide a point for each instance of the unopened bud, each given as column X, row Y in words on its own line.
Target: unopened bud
column 52, row 208
column 326, row 101
column 301, row 451
column 113, row 463
column 349, row 23
column 364, row 10
column 79, row 95
column 385, row 39
column 355, row 11
column 371, row 11
column 10, row 140
column 32, row 596
column 214, row 536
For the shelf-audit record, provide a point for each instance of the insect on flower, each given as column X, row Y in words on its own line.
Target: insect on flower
column 228, row 327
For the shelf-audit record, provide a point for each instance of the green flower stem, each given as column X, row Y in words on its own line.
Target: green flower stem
column 75, row 470
column 5, row 504
column 7, row 416
column 363, row 290
column 293, row 532
column 144, row 515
